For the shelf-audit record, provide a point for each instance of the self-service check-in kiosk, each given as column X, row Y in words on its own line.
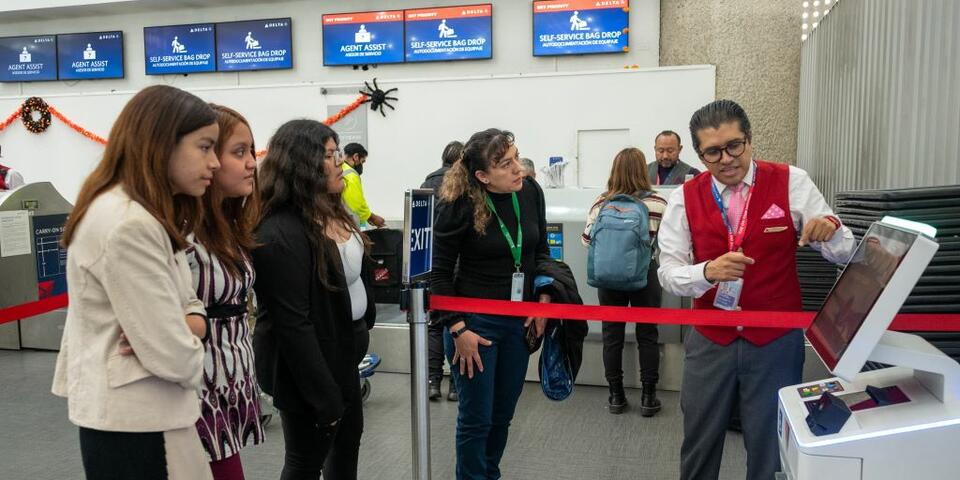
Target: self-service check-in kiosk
column 33, row 263
column 892, row 423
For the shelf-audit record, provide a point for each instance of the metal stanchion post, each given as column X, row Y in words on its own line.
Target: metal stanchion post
column 417, row 263
column 420, row 405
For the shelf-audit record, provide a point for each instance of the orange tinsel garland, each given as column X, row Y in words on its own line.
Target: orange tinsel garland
column 77, row 128
column 103, row 141
column 336, row 117
column 12, row 118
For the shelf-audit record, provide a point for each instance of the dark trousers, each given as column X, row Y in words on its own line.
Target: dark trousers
column 435, row 350
column 306, row 445
column 488, row 400
column 343, row 460
column 335, row 451
column 714, row 377
column 122, row 455
column 614, row 333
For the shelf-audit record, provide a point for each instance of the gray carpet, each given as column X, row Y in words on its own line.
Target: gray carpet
column 574, row 439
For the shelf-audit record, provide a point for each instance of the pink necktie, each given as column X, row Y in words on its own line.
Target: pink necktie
column 735, row 207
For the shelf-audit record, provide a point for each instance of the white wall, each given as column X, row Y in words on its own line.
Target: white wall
column 407, row 144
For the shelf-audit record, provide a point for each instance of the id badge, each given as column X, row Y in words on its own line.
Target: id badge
column 728, row 294
column 516, row 287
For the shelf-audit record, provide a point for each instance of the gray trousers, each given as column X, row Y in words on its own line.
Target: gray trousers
column 714, row 377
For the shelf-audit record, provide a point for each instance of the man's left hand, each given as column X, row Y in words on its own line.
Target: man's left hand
column 377, row 221
column 817, row 230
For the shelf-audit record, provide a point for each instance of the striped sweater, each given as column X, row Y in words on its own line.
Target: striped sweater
column 655, row 204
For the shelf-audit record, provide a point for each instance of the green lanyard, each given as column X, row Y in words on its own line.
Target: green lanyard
column 515, row 247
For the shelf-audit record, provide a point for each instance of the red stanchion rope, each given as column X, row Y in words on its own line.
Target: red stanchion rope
column 917, row 322
column 26, row 310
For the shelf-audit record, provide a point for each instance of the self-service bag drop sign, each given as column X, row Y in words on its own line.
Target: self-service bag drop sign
column 418, row 235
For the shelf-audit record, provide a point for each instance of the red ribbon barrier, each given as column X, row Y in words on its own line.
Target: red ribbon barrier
column 25, row 310
column 916, row 322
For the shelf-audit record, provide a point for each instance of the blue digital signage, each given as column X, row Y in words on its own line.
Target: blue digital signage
column 90, row 55
column 28, row 59
column 449, row 33
column 179, row 49
column 363, row 38
column 254, row 45
column 573, row 27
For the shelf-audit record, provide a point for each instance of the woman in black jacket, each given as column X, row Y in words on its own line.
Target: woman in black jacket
column 492, row 221
column 312, row 329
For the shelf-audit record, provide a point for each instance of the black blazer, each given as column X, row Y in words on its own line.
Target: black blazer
column 303, row 340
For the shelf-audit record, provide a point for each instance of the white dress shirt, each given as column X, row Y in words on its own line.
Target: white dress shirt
column 680, row 276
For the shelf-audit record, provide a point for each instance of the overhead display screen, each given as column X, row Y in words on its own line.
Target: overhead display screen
column 363, row 38
column 179, row 49
column 28, row 59
column 449, row 33
column 254, row 45
column 90, row 55
column 575, row 27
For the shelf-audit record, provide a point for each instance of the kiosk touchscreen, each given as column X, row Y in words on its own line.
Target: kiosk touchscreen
column 892, row 423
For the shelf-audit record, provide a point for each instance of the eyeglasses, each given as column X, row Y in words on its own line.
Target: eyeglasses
column 734, row 149
column 335, row 155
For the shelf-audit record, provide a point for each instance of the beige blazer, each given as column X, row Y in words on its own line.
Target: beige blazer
column 122, row 273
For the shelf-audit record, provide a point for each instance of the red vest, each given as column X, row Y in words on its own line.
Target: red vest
column 772, row 282
column 3, row 177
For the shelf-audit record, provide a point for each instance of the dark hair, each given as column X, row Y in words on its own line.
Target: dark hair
column 716, row 113
column 354, row 148
column 138, row 154
column 452, row 152
column 292, row 178
column 479, row 154
column 667, row 133
column 226, row 229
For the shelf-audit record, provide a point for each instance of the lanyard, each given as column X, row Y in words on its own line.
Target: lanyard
column 734, row 241
column 515, row 247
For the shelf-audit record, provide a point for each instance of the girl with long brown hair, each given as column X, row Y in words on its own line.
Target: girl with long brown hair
column 629, row 177
column 129, row 287
column 219, row 256
column 316, row 304
column 490, row 221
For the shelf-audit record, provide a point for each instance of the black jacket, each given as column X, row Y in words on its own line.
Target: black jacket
column 435, row 179
column 563, row 289
column 303, row 340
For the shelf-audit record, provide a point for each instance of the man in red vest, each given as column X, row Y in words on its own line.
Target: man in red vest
column 734, row 229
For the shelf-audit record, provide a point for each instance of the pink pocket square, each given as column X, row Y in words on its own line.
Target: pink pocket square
column 773, row 212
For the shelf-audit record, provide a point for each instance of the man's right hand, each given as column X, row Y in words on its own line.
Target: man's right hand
column 727, row 267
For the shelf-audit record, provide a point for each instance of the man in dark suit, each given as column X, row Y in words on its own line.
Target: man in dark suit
column 668, row 169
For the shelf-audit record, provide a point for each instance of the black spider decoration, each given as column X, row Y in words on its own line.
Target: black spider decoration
column 378, row 98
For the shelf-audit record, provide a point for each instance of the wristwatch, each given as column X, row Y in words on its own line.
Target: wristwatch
column 457, row 333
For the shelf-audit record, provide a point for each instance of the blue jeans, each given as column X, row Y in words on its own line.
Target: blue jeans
column 488, row 400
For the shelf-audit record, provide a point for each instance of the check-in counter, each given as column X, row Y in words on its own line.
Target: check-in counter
column 33, row 263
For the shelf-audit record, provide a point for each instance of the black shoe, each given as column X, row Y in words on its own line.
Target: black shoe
column 618, row 398
column 434, row 392
column 649, row 404
column 452, row 395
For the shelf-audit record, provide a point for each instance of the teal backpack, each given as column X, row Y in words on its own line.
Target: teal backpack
column 620, row 244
